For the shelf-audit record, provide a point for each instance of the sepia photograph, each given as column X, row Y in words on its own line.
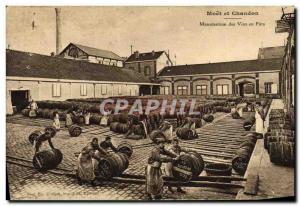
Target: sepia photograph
column 150, row 103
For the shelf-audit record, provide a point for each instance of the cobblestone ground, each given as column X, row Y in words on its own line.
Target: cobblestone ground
column 27, row 184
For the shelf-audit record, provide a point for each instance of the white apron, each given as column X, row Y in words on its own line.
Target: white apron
column 259, row 123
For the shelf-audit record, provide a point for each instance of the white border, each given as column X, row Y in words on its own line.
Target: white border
column 107, row 2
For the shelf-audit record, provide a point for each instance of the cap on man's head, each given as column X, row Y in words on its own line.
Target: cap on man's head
column 107, row 138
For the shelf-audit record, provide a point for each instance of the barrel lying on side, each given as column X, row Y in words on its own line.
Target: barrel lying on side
column 241, row 159
column 125, row 148
column 218, row 169
column 248, row 123
column 113, row 165
column 186, row 133
column 47, row 159
column 188, row 166
column 35, row 134
column 208, row 118
column 75, row 130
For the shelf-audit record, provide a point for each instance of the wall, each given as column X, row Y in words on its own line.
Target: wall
column 268, row 77
column 142, row 65
column 162, row 62
column 42, row 90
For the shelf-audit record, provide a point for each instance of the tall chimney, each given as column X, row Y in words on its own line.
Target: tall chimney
column 58, row 30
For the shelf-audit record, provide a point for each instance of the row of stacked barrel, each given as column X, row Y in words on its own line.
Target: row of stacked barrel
column 280, row 140
column 243, row 153
column 48, row 107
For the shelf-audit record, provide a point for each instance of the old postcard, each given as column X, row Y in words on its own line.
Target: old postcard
column 150, row 103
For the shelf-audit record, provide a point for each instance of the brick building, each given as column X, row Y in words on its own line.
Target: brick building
column 148, row 64
column 244, row 78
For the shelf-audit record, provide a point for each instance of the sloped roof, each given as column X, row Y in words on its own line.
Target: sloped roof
column 271, row 52
column 223, row 67
column 25, row 64
column 144, row 56
column 96, row 52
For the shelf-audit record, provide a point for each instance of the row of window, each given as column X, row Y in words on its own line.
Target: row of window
column 56, row 90
column 222, row 89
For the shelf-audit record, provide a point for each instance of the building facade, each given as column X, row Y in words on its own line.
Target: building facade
column 244, row 78
column 148, row 64
column 94, row 55
column 39, row 77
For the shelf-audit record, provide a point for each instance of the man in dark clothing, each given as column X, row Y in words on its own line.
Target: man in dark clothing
column 42, row 138
column 106, row 144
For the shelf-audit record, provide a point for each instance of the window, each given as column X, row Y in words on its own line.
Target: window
column 83, row 90
column 164, row 90
column 222, row 89
column 201, row 89
column 270, row 88
column 182, row 90
column 120, row 89
column 103, row 89
column 56, row 89
column 147, row 70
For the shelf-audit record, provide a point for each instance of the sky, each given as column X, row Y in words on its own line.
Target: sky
column 176, row 29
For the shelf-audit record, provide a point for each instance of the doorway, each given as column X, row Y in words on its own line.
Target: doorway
column 19, row 99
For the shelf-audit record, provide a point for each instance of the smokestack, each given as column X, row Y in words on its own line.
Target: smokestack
column 58, row 30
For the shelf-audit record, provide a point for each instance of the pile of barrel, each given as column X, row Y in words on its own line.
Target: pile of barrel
column 115, row 164
column 279, row 140
column 188, row 166
column 243, row 154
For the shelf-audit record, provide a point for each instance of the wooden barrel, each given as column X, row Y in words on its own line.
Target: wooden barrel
column 282, row 153
column 125, row 148
column 185, row 133
column 25, row 112
column 75, row 130
column 46, row 113
column 218, row 169
column 122, row 128
column 116, row 118
column 241, row 159
column 208, row 118
column 113, row 165
column 34, row 135
column 235, row 115
column 248, row 123
column 47, row 159
column 137, row 129
column 50, row 131
column 157, row 136
column 188, row 166
column 123, row 118
column 113, row 126
column 95, row 119
column 226, row 109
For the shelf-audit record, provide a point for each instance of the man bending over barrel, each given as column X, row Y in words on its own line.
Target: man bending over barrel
column 87, row 161
column 153, row 173
column 46, row 136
